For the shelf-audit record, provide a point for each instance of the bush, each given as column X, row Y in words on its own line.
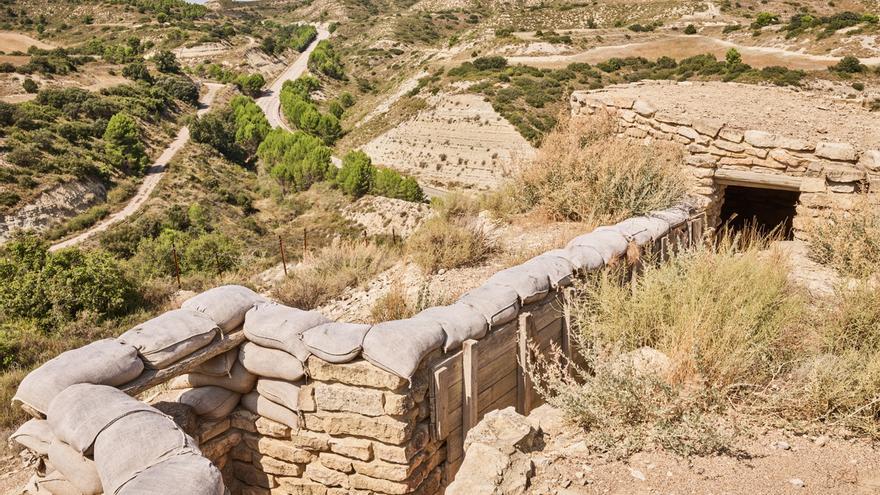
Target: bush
column 448, row 241
column 848, row 65
column 490, row 63
column 166, row 62
column 325, row 60
column 250, row 84
column 355, row 178
column 858, row 86
column 137, row 71
column 764, row 19
column 690, row 29
column 179, row 87
column 122, row 143
column 296, row 160
column 301, row 112
column 848, row 241
column 584, row 173
column 29, row 86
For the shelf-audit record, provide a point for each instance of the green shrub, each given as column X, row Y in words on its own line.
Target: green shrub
column 166, row 62
column 296, row 160
column 29, row 86
column 356, row 176
column 137, row 71
column 325, row 60
column 122, row 143
column 250, row 84
column 764, row 19
column 690, row 29
column 490, row 63
column 449, row 242
column 848, row 65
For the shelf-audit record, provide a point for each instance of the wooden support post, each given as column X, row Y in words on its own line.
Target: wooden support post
column 567, row 298
column 305, row 243
column 524, row 391
column 470, row 409
column 283, row 258
column 664, row 246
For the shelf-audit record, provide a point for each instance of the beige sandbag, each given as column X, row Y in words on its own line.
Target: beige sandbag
column 134, row 443
column 185, row 473
column 497, row 303
column 277, row 326
column 105, row 362
column 280, row 392
column 53, row 483
column 210, row 402
column 226, row 305
column 218, row 365
column 78, row 469
column 270, row 363
column 336, row 342
column 35, row 435
column 239, row 380
column 399, row 346
column 262, row 406
column 170, row 337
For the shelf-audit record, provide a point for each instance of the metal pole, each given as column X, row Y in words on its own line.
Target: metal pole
column 176, row 265
column 283, row 258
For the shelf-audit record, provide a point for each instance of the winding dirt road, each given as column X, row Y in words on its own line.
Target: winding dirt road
column 152, row 177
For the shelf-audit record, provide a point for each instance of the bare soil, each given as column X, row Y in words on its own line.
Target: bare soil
column 17, row 42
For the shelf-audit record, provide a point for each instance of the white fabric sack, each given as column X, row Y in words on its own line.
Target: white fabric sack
column 673, row 216
column 582, row 258
column 280, row 392
column 459, row 321
column 277, row 326
column 643, row 230
column 607, row 241
column 399, row 346
column 134, row 443
column 497, row 303
column 81, row 412
column 53, row 483
column 239, row 380
column 336, row 342
column 104, row 362
column 218, row 365
column 270, row 363
column 35, row 435
column 226, row 305
column 185, row 473
column 79, row 470
column 210, row 402
column 264, row 407
column 556, row 268
column 530, row 285
column 170, row 337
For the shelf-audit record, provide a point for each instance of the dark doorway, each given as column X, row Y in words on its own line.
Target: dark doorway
column 767, row 209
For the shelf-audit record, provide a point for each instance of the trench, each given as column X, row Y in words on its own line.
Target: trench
column 767, row 210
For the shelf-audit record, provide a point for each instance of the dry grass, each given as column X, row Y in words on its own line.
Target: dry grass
column 848, row 241
column 328, row 272
column 395, row 305
column 583, row 172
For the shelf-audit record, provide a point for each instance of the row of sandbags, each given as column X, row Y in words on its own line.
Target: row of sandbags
column 97, row 439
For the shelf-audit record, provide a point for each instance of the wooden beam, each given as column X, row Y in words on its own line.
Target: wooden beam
column 524, row 390
column 756, row 179
column 444, row 375
column 151, row 378
column 470, row 392
column 565, row 343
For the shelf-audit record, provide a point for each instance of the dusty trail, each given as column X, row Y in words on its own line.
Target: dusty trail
column 682, row 46
column 154, row 174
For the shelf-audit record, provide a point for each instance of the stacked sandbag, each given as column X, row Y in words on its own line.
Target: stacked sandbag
column 226, row 305
column 212, row 396
column 171, row 336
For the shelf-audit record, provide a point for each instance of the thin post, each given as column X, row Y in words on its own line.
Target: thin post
column 176, row 265
column 393, row 236
column 283, row 258
column 470, row 364
column 567, row 298
column 524, row 391
column 305, row 242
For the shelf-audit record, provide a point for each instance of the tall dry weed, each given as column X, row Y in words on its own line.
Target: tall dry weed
column 848, row 241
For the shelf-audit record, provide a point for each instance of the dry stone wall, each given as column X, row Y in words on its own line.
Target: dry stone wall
column 239, row 394
column 826, row 174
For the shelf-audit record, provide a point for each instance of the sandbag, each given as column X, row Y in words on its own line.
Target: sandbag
column 53, row 483
column 459, row 321
column 582, row 258
column 170, row 337
column 280, row 392
column 558, row 270
column 497, row 303
column 210, row 402
column 239, row 380
column 185, row 473
column 607, row 241
column 673, row 216
column 643, row 230
column 530, row 285
column 81, row 412
column 35, row 435
column 336, row 342
column 218, row 365
column 105, row 362
column 78, row 469
column 264, row 407
column 277, row 326
column 270, row 363
column 226, row 305
column 134, row 443
column 399, row 346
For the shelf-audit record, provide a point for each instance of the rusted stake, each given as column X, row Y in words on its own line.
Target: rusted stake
column 283, row 258
column 305, row 242
column 176, row 265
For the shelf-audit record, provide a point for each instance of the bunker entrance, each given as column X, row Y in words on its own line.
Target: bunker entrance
column 766, row 209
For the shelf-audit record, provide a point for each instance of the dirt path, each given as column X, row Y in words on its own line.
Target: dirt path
column 682, row 46
column 151, row 179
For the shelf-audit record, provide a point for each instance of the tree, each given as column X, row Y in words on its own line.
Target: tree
column 166, row 62
column 250, row 84
column 335, row 108
column 251, row 126
column 296, row 160
column 355, row 178
column 690, row 29
column 122, row 143
column 30, row 86
column 733, row 57
column 848, row 65
column 137, row 71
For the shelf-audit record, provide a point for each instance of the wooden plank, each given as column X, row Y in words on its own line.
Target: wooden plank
column 445, row 374
column 507, row 400
column 547, row 312
column 745, row 178
column 551, row 334
column 470, row 388
column 490, row 373
column 500, row 388
column 150, row 378
column 568, row 299
column 455, row 445
column 492, row 345
column 524, row 383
